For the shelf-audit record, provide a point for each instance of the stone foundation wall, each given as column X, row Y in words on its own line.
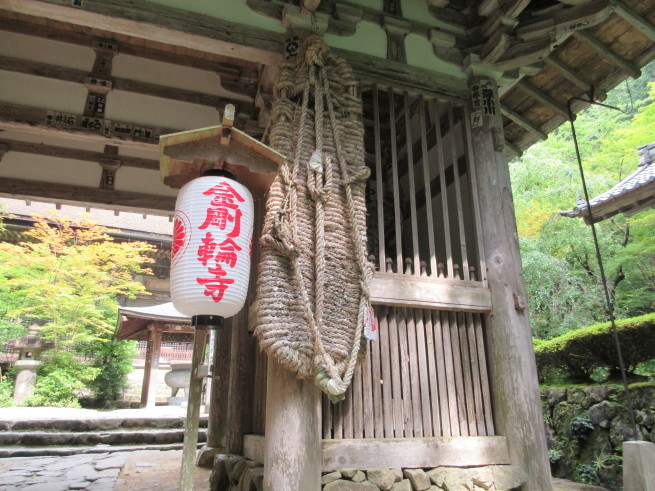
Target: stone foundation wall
column 586, row 427
column 232, row 472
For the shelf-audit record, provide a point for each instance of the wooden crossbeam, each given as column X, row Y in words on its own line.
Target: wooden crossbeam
column 82, row 196
column 187, row 30
column 575, row 77
column 634, row 19
column 245, row 109
column 235, row 75
column 513, row 148
column 42, row 121
column 76, row 154
column 543, row 98
column 604, row 50
column 523, row 122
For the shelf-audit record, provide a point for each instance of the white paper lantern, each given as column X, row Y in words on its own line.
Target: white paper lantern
column 212, row 245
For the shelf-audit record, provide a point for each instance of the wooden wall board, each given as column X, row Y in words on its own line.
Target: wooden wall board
column 414, row 452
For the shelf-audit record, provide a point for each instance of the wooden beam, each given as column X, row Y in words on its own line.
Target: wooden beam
column 543, row 98
column 245, row 109
column 75, row 154
column 237, row 76
column 373, row 453
column 573, row 76
column 604, row 50
column 522, row 122
column 431, row 293
column 635, row 19
column 42, row 121
column 211, row 35
column 82, row 196
column 151, row 367
column 157, row 22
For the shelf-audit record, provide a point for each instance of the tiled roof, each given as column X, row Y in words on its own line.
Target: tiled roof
column 643, row 176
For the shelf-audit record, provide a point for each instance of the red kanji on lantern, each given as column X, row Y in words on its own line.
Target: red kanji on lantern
column 223, row 205
column 207, row 249
column 227, row 252
column 215, row 287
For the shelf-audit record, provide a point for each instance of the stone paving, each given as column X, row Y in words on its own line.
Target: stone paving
column 88, row 471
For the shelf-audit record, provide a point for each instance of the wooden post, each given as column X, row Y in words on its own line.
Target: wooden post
column 516, row 401
column 217, row 422
column 293, row 454
column 193, row 410
column 151, row 368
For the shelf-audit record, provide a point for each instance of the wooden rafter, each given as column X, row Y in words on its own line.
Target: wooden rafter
column 602, row 49
column 575, row 77
column 634, row 19
column 523, row 122
column 543, row 98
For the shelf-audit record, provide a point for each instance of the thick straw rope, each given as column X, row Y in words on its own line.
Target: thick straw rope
column 313, row 284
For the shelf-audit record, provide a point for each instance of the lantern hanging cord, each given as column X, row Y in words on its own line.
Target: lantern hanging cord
column 599, row 258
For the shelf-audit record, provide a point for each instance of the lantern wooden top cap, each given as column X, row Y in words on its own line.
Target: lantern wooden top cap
column 185, row 155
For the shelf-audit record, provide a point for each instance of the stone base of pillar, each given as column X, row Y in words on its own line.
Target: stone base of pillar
column 638, row 466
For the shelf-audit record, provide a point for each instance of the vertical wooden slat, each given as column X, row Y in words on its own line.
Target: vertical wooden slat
column 396, row 185
column 358, row 407
column 466, row 373
column 367, row 390
column 394, row 353
column 459, row 379
column 347, row 411
column 412, row 186
column 475, row 369
column 441, row 374
column 423, row 374
column 379, row 181
column 414, row 373
column 376, row 376
column 445, row 215
column 326, row 407
column 450, row 374
column 387, row 402
column 408, row 420
column 427, row 189
column 484, row 377
column 458, row 196
column 337, row 420
column 432, row 370
column 474, row 198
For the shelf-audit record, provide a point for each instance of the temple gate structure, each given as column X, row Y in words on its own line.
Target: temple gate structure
column 451, row 90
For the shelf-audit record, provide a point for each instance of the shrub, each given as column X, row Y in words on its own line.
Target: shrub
column 580, row 353
column 60, row 381
column 114, row 362
column 6, row 392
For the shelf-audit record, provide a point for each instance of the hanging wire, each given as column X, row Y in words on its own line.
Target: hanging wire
column 599, row 258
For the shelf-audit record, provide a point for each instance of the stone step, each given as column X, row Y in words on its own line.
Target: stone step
column 7, row 452
column 112, row 437
column 95, row 424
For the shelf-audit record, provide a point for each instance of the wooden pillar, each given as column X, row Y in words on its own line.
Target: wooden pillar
column 293, row 454
column 151, row 368
column 217, row 422
column 516, row 401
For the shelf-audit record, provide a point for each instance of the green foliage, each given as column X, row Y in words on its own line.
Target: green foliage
column 579, row 353
column 60, row 381
column 114, row 363
column 581, row 425
column 561, row 274
column 587, row 474
column 66, row 277
column 6, row 391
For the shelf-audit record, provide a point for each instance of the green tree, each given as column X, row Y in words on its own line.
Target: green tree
column 66, row 277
